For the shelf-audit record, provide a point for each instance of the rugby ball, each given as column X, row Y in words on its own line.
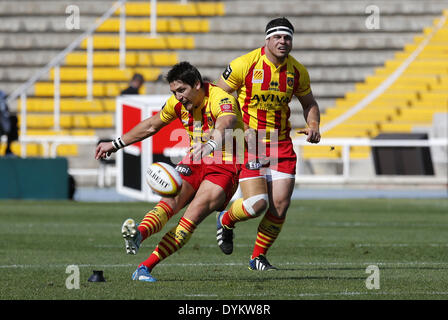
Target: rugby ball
column 163, row 179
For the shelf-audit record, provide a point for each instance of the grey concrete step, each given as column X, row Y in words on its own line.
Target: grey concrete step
column 27, row 57
column 51, row 7
column 243, row 7
column 313, row 24
column 317, row 74
column 320, row 89
column 226, row 24
column 43, row 24
column 292, row 8
column 226, row 41
column 205, row 58
column 321, row 41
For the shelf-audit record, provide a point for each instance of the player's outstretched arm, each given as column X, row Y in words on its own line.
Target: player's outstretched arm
column 141, row 131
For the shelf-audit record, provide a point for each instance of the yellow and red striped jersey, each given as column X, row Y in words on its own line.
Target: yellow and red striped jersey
column 264, row 90
column 200, row 121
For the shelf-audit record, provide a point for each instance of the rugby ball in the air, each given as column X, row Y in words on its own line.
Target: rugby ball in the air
column 163, row 179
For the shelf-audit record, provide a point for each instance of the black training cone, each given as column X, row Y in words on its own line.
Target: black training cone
column 97, row 276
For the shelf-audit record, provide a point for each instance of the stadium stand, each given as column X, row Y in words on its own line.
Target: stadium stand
column 346, row 60
column 410, row 103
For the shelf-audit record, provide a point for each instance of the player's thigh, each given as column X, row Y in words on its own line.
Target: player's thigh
column 209, row 197
column 184, row 197
column 253, row 187
column 280, row 192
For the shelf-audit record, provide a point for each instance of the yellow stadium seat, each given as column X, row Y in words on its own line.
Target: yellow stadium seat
column 142, row 42
column 423, row 55
column 439, row 106
column 67, row 150
column 412, row 71
column 37, row 150
column 101, row 121
column 397, row 86
column 325, row 155
column 175, row 9
column 112, row 89
column 163, row 25
column 434, row 48
column 68, row 89
column 164, row 59
column 340, row 131
column 396, row 127
column 38, row 121
column 415, row 116
column 358, row 96
column 428, row 79
column 66, row 105
column 65, row 132
column 433, row 64
column 32, row 149
column 211, row 9
column 378, row 102
column 109, row 104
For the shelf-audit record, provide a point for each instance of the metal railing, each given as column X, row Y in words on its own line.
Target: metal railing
column 347, row 177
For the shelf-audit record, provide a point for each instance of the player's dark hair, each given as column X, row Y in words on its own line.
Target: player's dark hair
column 279, row 22
column 184, row 72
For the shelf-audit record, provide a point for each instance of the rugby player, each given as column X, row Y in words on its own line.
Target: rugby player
column 209, row 173
column 266, row 79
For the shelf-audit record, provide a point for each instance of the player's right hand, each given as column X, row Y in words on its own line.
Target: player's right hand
column 104, row 150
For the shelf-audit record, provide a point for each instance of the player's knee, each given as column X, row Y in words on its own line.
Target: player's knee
column 281, row 206
column 256, row 205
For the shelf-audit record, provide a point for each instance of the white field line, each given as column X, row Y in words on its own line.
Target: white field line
column 327, row 294
column 345, row 293
column 357, row 245
column 360, row 264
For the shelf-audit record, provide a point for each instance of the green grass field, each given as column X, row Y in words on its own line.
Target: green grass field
column 322, row 253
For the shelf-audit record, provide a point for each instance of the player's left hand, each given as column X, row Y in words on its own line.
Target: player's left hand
column 313, row 134
column 104, row 150
column 200, row 150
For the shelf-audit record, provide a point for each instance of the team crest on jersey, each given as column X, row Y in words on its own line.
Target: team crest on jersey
column 258, row 76
column 290, row 82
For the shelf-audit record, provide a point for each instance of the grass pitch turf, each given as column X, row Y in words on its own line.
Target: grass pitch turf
column 322, row 253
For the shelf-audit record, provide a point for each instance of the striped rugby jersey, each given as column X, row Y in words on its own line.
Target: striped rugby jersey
column 200, row 122
column 264, row 91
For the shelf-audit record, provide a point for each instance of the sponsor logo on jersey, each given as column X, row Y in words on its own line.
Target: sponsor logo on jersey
column 227, row 107
column 258, row 76
column 271, row 98
column 227, row 72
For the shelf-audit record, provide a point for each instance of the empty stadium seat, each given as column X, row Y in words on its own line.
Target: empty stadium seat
column 163, row 25
column 175, row 9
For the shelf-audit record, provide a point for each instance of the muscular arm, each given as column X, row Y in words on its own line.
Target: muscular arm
column 311, row 114
column 144, row 129
column 201, row 150
column 224, row 86
column 141, row 131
